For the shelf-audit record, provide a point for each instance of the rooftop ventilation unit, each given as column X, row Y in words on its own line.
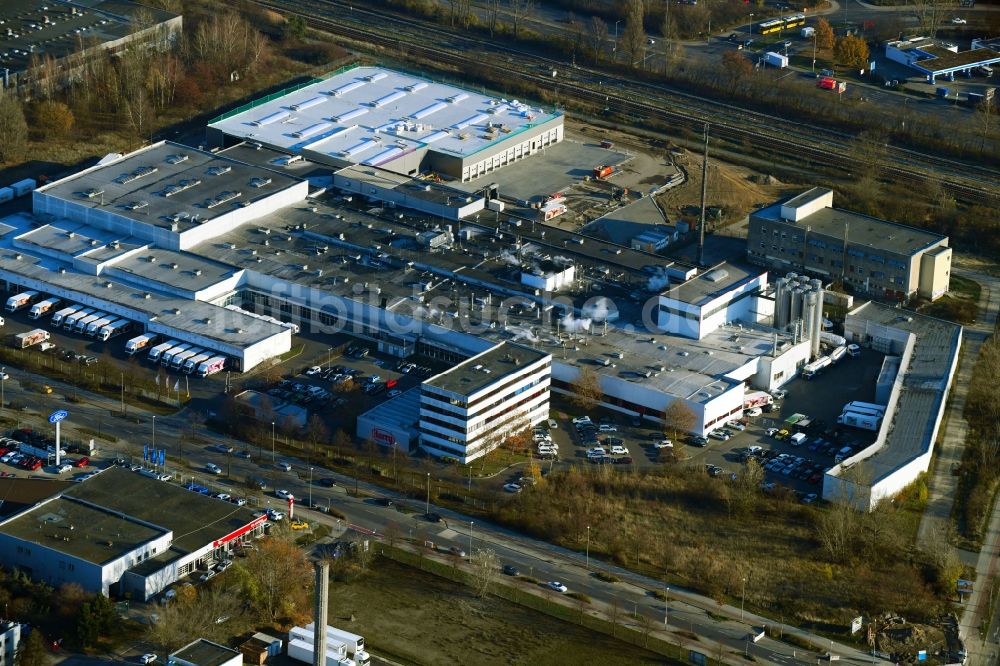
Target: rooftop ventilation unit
column 177, row 159
column 179, row 187
column 136, row 175
column 93, row 192
column 136, row 205
column 219, row 170
column 221, row 198
column 176, row 311
column 259, row 181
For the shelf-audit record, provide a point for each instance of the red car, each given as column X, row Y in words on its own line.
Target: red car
column 81, row 462
column 34, row 464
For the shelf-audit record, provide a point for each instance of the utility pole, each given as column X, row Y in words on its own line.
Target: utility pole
column 704, row 196
column 588, row 547
column 427, row 504
column 272, row 442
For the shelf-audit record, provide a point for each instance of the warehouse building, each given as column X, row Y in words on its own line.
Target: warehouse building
column 378, row 117
column 118, row 532
column 50, row 39
column 928, row 352
column 870, row 256
column 936, row 59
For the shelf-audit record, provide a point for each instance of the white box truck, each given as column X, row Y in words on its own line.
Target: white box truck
column 96, row 325
column 156, row 352
column 57, row 318
column 18, row 301
column 69, row 323
column 168, row 355
column 212, row 366
column 140, row 342
column 42, row 308
column 354, row 643
column 775, row 60
column 301, row 650
column 116, row 327
column 194, row 362
column 84, row 322
column 24, row 340
column 856, row 406
column 855, row 420
column 178, row 360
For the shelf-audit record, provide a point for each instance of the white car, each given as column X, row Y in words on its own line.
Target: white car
column 212, row 468
column 284, row 494
column 663, row 444
column 753, row 411
column 770, row 432
column 553, row 425
column 313, row 371
column 512, row 488
column 147, row 658
column 596, row 452
column 958, row 21
column 62, row 469
column 4, row 376
column 581, row 419
column 284, row 466
column 222, row 496
column 558, row 587
column 274, row 515
column 606, row 427
column 736, row 425
column 779, row 394
column 619, row 450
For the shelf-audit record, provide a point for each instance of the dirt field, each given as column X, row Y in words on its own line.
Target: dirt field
column 413, row 616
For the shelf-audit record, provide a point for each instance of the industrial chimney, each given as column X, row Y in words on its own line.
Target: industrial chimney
column 319, row 613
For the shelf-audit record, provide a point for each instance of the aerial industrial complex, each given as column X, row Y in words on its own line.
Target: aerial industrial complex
column 312, row 220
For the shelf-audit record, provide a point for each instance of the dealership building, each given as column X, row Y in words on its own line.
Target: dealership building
column 118, row 532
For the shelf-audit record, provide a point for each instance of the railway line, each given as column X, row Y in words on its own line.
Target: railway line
column 674, row 108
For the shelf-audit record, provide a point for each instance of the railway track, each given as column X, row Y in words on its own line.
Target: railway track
column 674, row 108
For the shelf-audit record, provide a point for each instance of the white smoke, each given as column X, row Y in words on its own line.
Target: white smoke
column 659, row 281
column 571, row 324
column 522, row 333
column 509, row 257
column 599, row 309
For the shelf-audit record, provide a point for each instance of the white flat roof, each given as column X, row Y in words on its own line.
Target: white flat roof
column 372, row 115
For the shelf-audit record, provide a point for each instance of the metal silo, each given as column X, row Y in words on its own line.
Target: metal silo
column 780, row 303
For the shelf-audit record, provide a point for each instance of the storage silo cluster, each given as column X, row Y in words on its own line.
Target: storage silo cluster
column 799, row 299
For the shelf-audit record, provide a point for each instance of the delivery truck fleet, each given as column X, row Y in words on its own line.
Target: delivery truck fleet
column 103, row 326
column 342, row 648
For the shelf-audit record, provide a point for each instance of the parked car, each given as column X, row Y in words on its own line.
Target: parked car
column 622, row 460
column 212, row 468
column 327, row 482
column 619, row 450
column 553, row 425
column 147, row 658
column 607, row 427
column 753, row 412
column 699, row 440
column 663, row 444
column 79, row 462
column 512, row 488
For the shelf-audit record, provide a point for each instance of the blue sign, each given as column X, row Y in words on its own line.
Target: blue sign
column 145, row 452
column 57, row 416
column 922, row 655
column 163, row 456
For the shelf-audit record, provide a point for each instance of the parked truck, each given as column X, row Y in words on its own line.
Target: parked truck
column 855, row 420
column 352, row 645
column 194, row 362
column 58, row 317
column 757, row 399
column 113, row 329
column 832, row 339
column 302, row 650
column 24, row 340
column 838, row 353
column 156, row 352
column 810, row 370
column 18, row 301
column 6, row 194
column 775, row 60
column 168, row 355
column 603, row 171
column 96, row 325
column 212, row 366
column 23, row 187
column 84, row 322
column 42, row 308
column 69, row 323
column 140, row 342
column 178, row 361
column 857, row 405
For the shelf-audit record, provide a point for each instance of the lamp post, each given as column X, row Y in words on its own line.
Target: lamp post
column 751, row 25
column 743, row 597
column 614, row 49
column 666, row 605
column 329, row 349
column 588, row 547
column 272, row 442
column 3, row 378
column 154, row 432
column 310, row 487
column 471, row 524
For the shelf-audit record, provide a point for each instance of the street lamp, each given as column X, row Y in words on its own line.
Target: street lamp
column 310, row 487
column 471, row 524
column 614, row 49
column 666, row 605
column 751, row 25
column 272, row 442
column 743, row 597
column 3, row 378
column 154, row 432
column 588, row 547
column 427, row 504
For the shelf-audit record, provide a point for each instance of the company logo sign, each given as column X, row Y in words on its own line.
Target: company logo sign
column 383, row 436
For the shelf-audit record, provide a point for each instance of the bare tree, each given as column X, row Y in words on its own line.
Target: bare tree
column 634, row 36
column 986, row 109
column 587, row 390
column 485, row 568
column 492, row 15
column 519, row 11
column 598, row 37
column 677, row 418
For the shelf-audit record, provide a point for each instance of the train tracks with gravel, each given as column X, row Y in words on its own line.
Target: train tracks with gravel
column 673, row 108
